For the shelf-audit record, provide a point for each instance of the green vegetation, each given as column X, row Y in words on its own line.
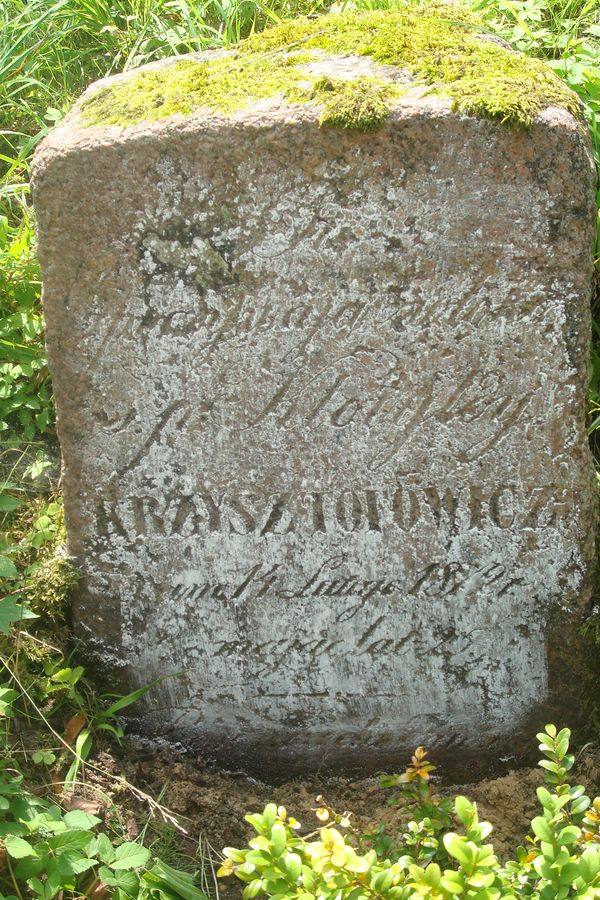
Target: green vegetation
column 48, row 851
column 439, row 45
column 427, row 859
column 230, row 84
column 362, row 104
column 25, row 393
column 442, row 47
column 50, row 50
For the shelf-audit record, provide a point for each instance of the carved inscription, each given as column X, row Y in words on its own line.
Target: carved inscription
column 436, row 579
column 341, row 396
column 327, row 487
column 401, row 509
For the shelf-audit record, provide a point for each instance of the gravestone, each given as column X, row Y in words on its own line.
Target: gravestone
column 321, row 401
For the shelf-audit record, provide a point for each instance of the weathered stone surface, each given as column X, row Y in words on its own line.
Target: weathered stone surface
column 321, row 401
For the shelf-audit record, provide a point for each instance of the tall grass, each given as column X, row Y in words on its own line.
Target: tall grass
column 50, row 50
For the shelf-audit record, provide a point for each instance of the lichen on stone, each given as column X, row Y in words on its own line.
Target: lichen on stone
column 439, row 45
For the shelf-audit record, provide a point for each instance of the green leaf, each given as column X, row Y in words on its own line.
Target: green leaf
column 77, row 818
column 589, row 863
column 464, row 810
column 309, row 879
column 104, row 848
column 83, row 745
column 453, row 882
column 269, row 815
column 549, row 765
column 48, row 820
column 130, row 856
column 8, row 503
column 180, row 883
column 569, row 873
column 278, row 838
column 458, row 848
column 43, row 756
column 257, row 822
column 38, row 887
column 29, row 867
column 580, row 805
column 7, row 568
column 576, row 791
column 382, row 882
column 542, row 829
column 107, row 877
column 72, row 863
column 259, row 858
column 13, row 827
column 11, row 611
column 123, row 702
column 7, row 698
column 568, row 835
column 68, row 675
column 481, row 879
column 48, row 889
column 128, row 881
column 18, row 848
column 74, row 839
column 293, row 866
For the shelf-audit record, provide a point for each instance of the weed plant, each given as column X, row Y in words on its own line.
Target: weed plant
column 50, row 719
column 427, row 859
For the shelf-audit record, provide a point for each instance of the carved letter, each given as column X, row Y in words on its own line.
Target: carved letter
column 405, row 519
column 372, row 511
column 348, row 518
column 501, row 513
column 345, row 413
column 214, row 513
column 447, row 504
column 247, row 519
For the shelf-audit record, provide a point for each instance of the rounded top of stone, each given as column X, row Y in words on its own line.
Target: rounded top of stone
column 353, row 68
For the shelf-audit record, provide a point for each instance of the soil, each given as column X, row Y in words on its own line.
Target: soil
column 211, row 804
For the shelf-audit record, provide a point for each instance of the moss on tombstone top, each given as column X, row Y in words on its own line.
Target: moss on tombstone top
column 440, row 45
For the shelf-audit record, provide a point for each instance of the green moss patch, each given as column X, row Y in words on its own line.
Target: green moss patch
column 362, row 103
column 439, row 45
